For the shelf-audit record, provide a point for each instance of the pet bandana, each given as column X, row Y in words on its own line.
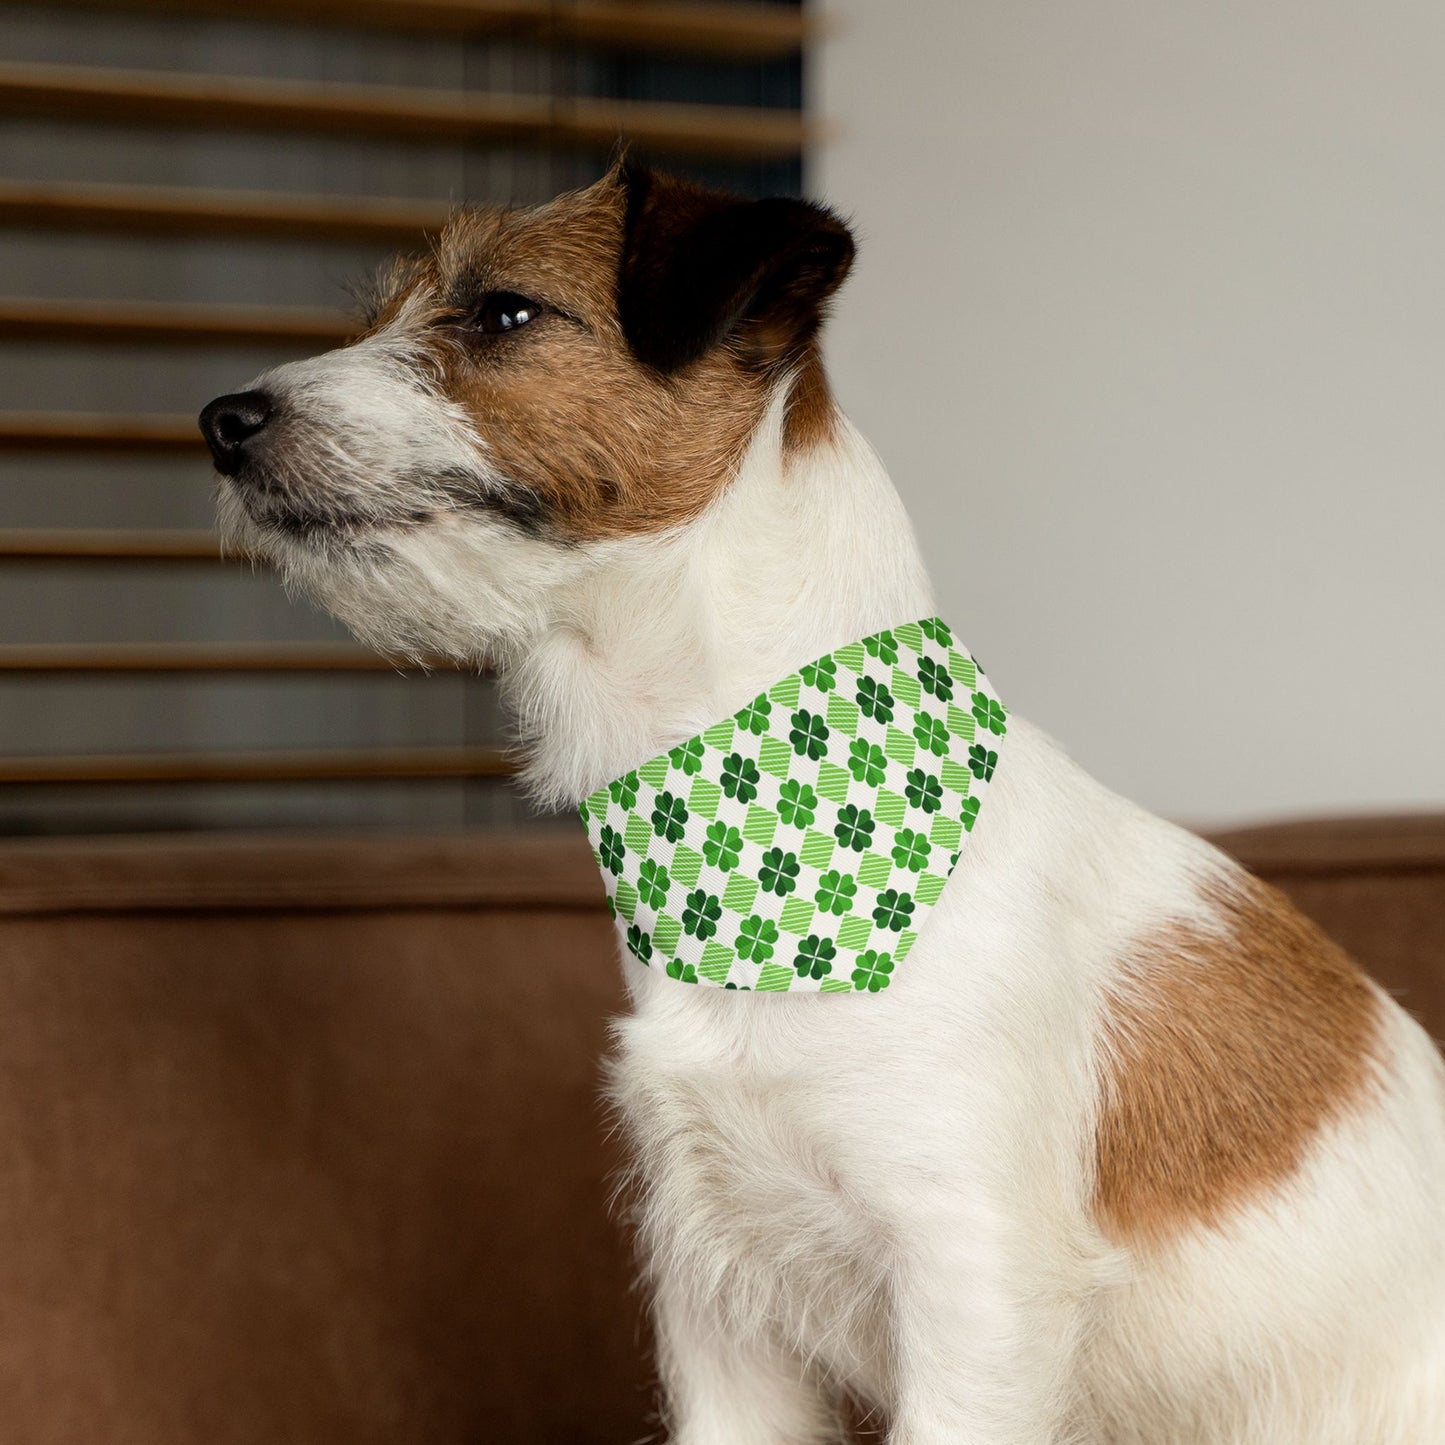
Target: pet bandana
column 798, row 845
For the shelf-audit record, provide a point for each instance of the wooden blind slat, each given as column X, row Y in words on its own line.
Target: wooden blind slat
column 81, row 544
column 172, row 211
column 755, row 32
column 184, row 657
column 329, row 765
column 217, row 102
column 171, row 323
column 76, row 431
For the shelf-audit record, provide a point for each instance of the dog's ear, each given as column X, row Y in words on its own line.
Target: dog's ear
column 700, row 266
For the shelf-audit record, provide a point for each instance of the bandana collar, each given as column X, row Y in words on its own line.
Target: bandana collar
column 799, row 845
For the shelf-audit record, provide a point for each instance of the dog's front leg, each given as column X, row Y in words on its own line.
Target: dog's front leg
column 724, row 1387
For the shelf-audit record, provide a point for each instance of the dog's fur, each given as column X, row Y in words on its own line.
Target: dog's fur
column 1129, row 1153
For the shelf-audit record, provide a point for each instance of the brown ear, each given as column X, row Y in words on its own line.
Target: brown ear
column 699, row 266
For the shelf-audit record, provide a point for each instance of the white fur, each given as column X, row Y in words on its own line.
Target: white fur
column 889, row 1194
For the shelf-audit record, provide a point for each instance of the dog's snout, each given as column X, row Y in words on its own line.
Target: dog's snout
column 229, row 422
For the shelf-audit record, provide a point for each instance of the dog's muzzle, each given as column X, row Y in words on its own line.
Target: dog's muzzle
column 230, row 423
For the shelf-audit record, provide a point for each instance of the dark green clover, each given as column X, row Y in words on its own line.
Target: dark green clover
column 981, row 762
column 924, row 791
column 669, row 817
column 883, row 646
column 875, row 700
column 640, row 942
column 894, row 910
column 701, row 913
column 809, row 735
column 935, row 678
column 611, row 850
column 815, row 957
column 854, row 828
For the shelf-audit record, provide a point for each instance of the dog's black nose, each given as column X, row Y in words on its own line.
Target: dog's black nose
column 229, row 422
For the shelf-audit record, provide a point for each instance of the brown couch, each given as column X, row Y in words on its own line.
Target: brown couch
column 302, row 1140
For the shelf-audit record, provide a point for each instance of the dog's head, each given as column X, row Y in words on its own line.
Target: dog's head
column 543, row 384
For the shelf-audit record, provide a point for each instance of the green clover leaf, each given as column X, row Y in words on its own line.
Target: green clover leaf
column 815, row 957
column 653, row 883
column 611, row 850
column 669, row 817
column 701, row 913
column 624, row 789
column 854, row 828
column 970, row 814
column 911, row 850
column 809, row 735
column 875, row 700
column 722, row 847
column 990, row 714
column 938, row 630
column 754, row 717
column 931, row 734
column 779, row 873
column 981, row 762
column 685, row 971
column 883, row 646
column 821, row 674
column 797, row 804
column 936, row 678
column 894, row 910
column 740, row 777
column 872, row 971
column 687, row 756
column 640, row 943
column 866, row 761
column 756, row 938
column 836, row 891
column 924, row 791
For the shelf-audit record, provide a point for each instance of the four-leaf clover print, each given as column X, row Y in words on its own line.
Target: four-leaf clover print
column 640, row 943
column 990, row 714
column 653, row 883
column 687, row 757
column 937, row 630
column 740, row 777
column 981, row 762
column 821, row 674
column 872, row 971
column 931, row 734
column 797, row 804
column 701, row 913
column 854, row 828
column 883, row 646
column 836, row 891
column 815, row 957
column 685, row 971
column 757, row 938
column 894, row 910
column 754, row 717
column 809, row 735
column 935, row 678
column 924, row 791
column 623, row 790
column 911, row 850
column 779, row 873
column 875, row 700
column 866, row 762
column 722, row 847
column 609, row 845
column 669, row 817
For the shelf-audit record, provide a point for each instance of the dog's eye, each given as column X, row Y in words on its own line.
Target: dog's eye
column 504, row 311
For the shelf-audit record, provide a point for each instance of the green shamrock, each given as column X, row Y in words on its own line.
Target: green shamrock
column 911, row 850
column 653, row 883
column 815, row 957
column 875, row 700
column 854, row 828
column 586, row 810
column 866, row 761
column 669, row 817
column 935, row 678
column 779, row 873
column 611, row 849
column 939, row 631
column 701, row 913
column 797, row 803
column 809, row 734
column 931, row 734
column 894, row 910
column 883, row 646
column 981, row 762
column 685, row 971
column 836, row 891
column 624, row 789
column 970, row 814
column 687, row 756
column 821, row 674
column 990, row 714
column 722, row 847
column 924, row 791
column 740, row 777
column 754, row 717
column 872, row 971
column 640, row 943
column 756, row 937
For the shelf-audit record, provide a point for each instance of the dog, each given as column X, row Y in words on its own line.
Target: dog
column 1127, row 1152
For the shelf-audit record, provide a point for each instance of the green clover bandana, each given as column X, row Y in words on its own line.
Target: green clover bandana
column 798, row 845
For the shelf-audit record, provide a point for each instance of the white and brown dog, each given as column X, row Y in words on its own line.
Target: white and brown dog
column 1132, row 1154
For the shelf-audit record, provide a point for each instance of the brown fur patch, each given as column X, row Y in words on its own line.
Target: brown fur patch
column 1228, row 1051
column 812, row 415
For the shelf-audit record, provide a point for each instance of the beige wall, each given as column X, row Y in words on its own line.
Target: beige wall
column 1149, row 323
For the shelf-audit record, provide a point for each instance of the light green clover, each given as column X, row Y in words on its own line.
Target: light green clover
column 687, row 756
column 872, row 971
column 866, row 761
column 756, row 938
column 680, row 970
column 624, row 789
column 821, row 674
column 911, row 850
column 970, row 815
column 990, row 714
column 797, row 804
column 938, row 630
column 653, row 883
column 883, row 646
column 754, row 717
column 931, row 734
column 723, row 846
column 836, row 891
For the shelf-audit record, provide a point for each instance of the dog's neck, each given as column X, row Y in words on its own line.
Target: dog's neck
column 801, row 554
